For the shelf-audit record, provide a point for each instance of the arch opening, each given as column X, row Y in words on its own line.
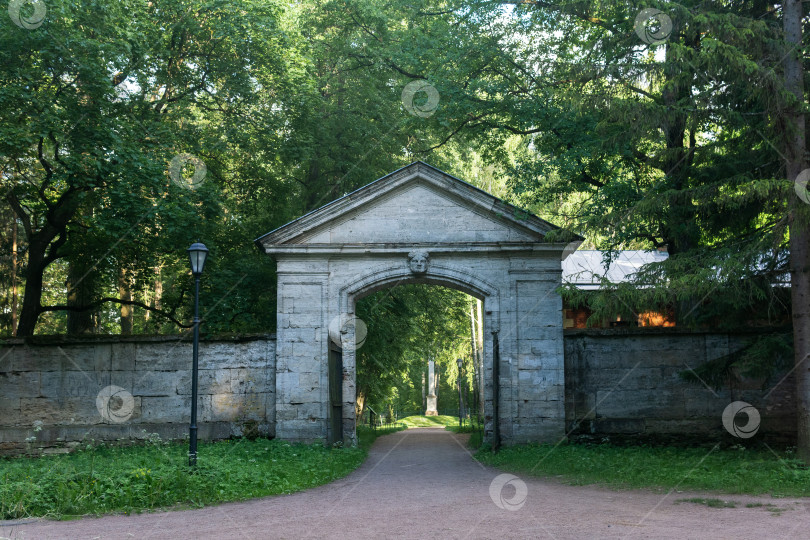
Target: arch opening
column 449, row 276
column 419, row 355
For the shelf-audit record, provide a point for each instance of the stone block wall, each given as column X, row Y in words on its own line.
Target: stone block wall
column 627, row 382
column 58, row 391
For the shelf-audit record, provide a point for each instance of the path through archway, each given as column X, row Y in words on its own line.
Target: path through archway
column 410, row 339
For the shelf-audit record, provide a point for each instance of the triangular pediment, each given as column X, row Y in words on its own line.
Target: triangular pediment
column 414, row 205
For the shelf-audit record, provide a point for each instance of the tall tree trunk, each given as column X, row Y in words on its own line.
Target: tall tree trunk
column 32, row 297
column 481, row 396
column 80, row 293
column 473, row 340
column 125, row 293
column 314, row 194
column 13, row 274
column 474, row 352
column 158, row 294
column 361, row 404
column 799, row 220
column 680, row 230
column 43, row 249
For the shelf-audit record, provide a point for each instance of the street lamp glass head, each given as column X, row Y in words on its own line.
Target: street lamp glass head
column 459, row 361
column 197, row 254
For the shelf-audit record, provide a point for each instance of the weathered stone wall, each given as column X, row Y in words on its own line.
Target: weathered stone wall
column 627, row 382
column 617, row 382
column 55, row 392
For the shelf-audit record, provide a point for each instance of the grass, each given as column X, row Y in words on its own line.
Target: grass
column 450, row 423
column 108, row 479
column 712, row 503
column 778, row 510
column 732, row 471
column 469, row 426
column 428, row 421
column 719, row 503
column 366, row 436
column 476, row 440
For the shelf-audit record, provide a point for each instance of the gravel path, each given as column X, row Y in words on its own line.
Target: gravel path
column 423, row 483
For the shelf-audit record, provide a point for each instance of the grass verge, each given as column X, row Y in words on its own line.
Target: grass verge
column 131, row 479
column 733, row 470
column 469, row 426
column 428, row 421
column 366, row 436
column 475, row 430
column 466, row 428
column 450, row 423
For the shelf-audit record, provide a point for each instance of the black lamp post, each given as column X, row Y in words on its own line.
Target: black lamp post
column 197, row 254
column 460, row 412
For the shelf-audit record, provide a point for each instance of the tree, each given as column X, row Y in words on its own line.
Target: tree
column 799, row 216
column 680, row 145
column 98, row 103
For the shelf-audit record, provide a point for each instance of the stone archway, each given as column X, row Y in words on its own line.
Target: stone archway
column 418, row 225
column 444, row 275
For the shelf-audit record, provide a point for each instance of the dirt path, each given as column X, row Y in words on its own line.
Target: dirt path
column 423, row 483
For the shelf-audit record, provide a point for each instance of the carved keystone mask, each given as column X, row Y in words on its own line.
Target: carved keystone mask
column 418, row 261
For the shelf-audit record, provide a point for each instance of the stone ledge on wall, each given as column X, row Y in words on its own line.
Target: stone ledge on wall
column 620, row 331
column 63, row 439
column 79, row 339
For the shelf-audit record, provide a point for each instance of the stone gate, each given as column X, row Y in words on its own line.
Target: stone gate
column 418, row 225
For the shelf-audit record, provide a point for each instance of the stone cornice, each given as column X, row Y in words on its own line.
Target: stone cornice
column 404, row 248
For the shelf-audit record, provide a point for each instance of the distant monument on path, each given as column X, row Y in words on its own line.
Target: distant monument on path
column 431, row 398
